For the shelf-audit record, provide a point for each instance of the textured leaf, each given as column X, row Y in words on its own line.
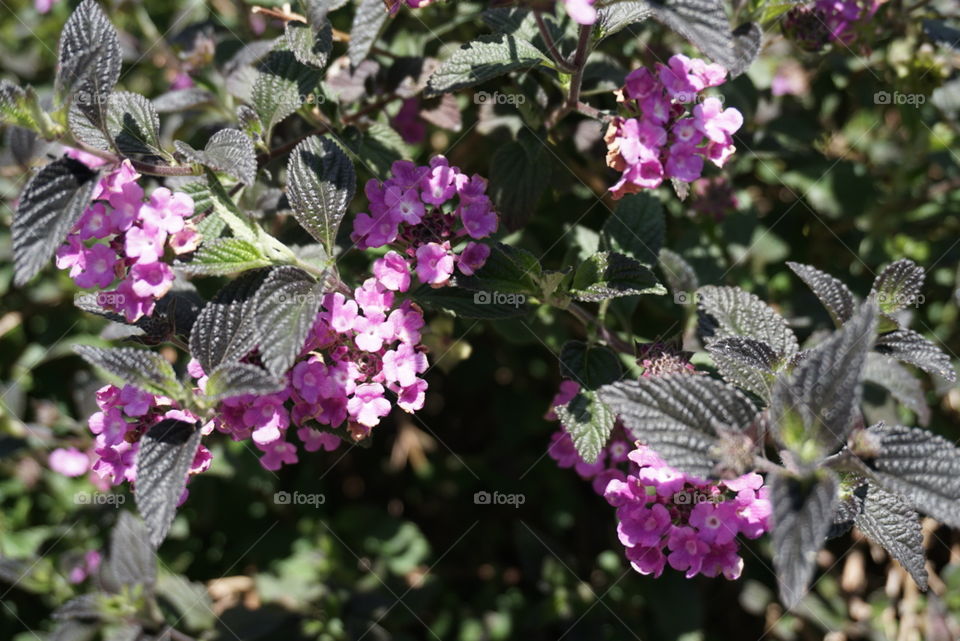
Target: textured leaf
column 223, row 331
column 615, row 17
column 223, row 256
column 471, row 304
column 519, row 174
column 85, row 606
column 703, row 22
column 747, row 363
column 831, row 291
column 228, row 151
column 89, row 60
column 311, row 45
column 898, row 286
column 921, row 467
column 285, row 310
column 367, row 24
column 682, row 417
column 250, row 122
column 747, row 40
column 802, row 512
column 680, row 277
column 899, row 383
column 49, row 207
column 235, row 379
column 636, row 229
column 73, row 631
column 377, row 147
column 909, row 347
column 588, row 421
column 182, row 100
column 890, row 523
column 731, row 311
column 131, row 561
column 15, row 106
column 825, row 389
column 140, row 368
column 163, row 461
column 320, row 185
column 134, row 125
column 482, row 59
column 283, row 84
column 608, row 275
column 592, row 366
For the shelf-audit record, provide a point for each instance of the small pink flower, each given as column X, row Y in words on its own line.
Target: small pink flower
column 368, row 406
column 434, row 264
column 98, row 267
column 151, row 279
column 473, row 257
column 392, row 272
column 69, row 461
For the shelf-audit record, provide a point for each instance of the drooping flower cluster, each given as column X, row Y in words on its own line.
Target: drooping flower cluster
column 123, row 237
column 661, row 137
column 360, row 350
column 425, row 212
column 814, row 25
column 666, row 517
column 126, row 414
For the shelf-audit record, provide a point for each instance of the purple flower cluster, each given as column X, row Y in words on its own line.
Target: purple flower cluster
column 814, row 25
column 661, row 138
column 126, row 413
column 360, row 350
column 666, row 517
column 122, row 237
column 424, row 212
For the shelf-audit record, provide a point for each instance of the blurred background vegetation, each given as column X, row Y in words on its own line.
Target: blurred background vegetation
column 828, row 177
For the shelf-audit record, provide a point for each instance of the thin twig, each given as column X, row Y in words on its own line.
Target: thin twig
column 558, row 58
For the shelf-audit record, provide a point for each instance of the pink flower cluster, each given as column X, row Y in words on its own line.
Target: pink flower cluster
column 424, row 212
column 665, row 516
column 660, row 138
column 121, row 236
column 125, row 415
column 360, row 350
column 814, row 25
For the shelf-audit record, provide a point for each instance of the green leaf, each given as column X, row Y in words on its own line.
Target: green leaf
column 235, row 379
column 636, row 228
column 367, row 23
column 687, row 419
column 747, row 363
column 163, row 461
column 588, row 421
column 519, row 174
column 15, row 106
column 747, row 41
column 909, row 347
column 483, row 59
column 89, row 61
column 508, row 270
column 899, row 382
column 898, row 286
column 285, row 310
column 834, row 295
column 472, row 304
column 592, row 366
column 825, row 389
column 223, row 332
column 731, row 311
column 680, row 276
column 182, row 100
column 377, row 148
column 282, row 86
column 85, row 606
column 140, row 368
column 228, row 211
column 50, row 205
column 320, row 185
column 703, row 22
column 134, row 125
column 310, row 44
column 890, row 523
column 131, row 561
column 608, row 275
column 223, row 256
column 250, row 122
column 918, row 465
column 228, row 151
column 803, row 510
column 617, row 16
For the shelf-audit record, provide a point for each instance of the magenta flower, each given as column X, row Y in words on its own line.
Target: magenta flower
column 151, row 280
column 166, row 210
column 134, row 401
column 392, row 272
column 686, row 550
column 368, row 405
column 643, row 526
column 95, row 222
column 717, row 123
column 267, row 416
column 434, row 264
column 402, row 365
column 69, row 461
column 277, row 454
column 581, row 11
column 98, row 267
column 126, row 203
column 647, row 560
column 314, row 440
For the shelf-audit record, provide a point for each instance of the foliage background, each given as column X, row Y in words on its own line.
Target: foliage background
column 829, row 178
